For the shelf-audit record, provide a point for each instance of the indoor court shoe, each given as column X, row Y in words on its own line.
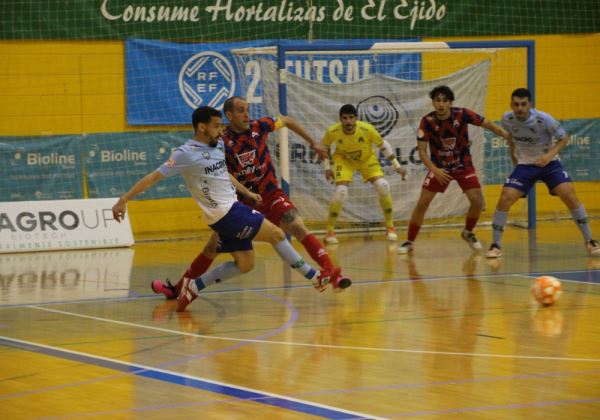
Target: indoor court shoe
column 390, row 235
column 471, row 239
column 331, row 239
column 593, row 247
column 493, row 252
column 168, row 289
column 405, row 248
column 341, row 283
column 189, row 292
column 324, row 277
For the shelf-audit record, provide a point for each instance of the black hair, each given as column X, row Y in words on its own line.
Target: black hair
column 521, row 93
column 228, row 105
column 442, row 90
column 348, row 109
column 203, row 115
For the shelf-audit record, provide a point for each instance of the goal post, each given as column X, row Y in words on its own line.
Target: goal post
column 512, row 65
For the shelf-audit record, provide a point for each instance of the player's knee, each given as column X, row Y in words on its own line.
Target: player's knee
column 245, row 265
column 297, row 229
column 341, row 193
column 382, row 186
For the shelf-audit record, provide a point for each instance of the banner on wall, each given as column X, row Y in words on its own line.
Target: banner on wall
column 394, row 107
column 166, row 81
column 116, row 161
column 221, row 20
column 40, row 168
column 61, row 224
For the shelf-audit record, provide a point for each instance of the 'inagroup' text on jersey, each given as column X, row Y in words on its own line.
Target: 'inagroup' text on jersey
column 204, row 172
column 448, row 139
column 248, row 157
column 533, row 137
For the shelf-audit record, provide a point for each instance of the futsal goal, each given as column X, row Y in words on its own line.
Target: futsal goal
column 388, row 82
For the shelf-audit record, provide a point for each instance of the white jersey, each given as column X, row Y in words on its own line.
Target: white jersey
column 204, row 172
column 534, row 136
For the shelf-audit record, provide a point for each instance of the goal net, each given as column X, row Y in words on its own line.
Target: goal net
column 389, row 86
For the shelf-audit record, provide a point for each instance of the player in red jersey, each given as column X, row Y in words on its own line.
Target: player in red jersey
column 249, row 161
column 445, row 131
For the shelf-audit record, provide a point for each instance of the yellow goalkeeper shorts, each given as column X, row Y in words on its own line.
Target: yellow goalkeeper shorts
column 343, row 169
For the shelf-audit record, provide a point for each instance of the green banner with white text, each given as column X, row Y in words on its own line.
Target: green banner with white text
column 233, row 20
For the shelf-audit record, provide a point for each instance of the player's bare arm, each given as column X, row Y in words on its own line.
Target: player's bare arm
column 496, row 129
column 245, row 191
column 513, row 150
column 439, row 173
column 547, row 157
column 389, row 154
column 139, row 187
column 295, row 126
column 327, row 166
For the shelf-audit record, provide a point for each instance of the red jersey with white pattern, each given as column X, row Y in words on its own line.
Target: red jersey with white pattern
column 248, row 157
column 449, row 139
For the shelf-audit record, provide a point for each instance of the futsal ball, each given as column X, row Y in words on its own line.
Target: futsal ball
column 546, row 290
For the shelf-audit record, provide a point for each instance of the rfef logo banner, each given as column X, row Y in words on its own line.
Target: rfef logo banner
column 166, row 81
column 46, row 168
column 61, row 224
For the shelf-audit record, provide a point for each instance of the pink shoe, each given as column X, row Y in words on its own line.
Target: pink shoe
column 187, row 295
column 168, row 289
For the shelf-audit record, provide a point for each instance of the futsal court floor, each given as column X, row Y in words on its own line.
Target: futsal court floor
column 441, row 333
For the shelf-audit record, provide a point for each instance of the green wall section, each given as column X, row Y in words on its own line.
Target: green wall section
column 285, row 19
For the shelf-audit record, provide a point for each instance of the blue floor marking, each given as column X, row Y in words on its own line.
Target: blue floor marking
column 179, row 379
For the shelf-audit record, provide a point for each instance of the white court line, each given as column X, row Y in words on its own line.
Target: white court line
column 327, row 346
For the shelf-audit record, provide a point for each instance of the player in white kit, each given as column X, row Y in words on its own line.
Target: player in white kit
column 535, row 155
column 201, row 163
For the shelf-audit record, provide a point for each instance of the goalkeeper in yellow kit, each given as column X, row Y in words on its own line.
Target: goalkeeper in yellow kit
column 353, row 151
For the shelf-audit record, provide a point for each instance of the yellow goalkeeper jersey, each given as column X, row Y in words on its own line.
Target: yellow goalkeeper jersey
column 357, row 147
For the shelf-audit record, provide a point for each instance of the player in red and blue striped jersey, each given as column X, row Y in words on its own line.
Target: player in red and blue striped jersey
column 445, row 131
column 249, row 161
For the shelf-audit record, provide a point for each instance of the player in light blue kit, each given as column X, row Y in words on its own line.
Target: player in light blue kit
column 201, row 163
column 536, row 158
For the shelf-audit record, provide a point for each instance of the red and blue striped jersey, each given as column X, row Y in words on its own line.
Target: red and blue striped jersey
column 248, row 157
column 449, row 139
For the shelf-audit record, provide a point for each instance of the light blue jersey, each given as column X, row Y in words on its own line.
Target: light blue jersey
column 534, row 136
column 204, row 172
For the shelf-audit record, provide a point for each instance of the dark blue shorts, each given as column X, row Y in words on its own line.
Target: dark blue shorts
column 237, row 228
column 523, row 177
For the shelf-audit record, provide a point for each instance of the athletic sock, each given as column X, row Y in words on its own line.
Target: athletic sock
column 386, row 204
column 315, row 249
column 498, row 223
column 470, row 223
column 290, row 256
column 413, row 231
column 581, row 220
column 196, row 269
column 218, row 274
column 334, row 211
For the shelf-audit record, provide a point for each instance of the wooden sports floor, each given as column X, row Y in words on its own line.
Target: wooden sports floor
column 442, row 333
